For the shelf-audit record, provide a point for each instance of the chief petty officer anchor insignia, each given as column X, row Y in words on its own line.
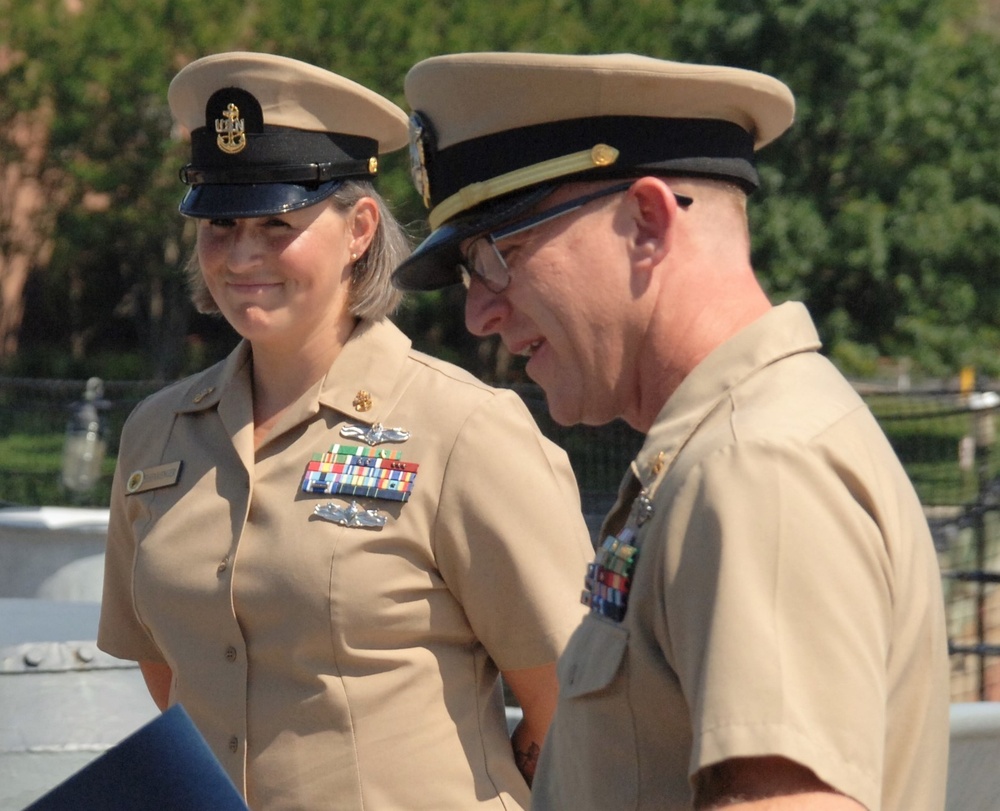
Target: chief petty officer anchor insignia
column 231, row 135
column 609, row 577
column 362, row 471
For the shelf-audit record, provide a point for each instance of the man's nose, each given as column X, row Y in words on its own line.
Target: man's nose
column 485, row 311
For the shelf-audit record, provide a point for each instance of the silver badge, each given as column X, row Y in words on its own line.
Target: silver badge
column 643, row 508
column 353, row 515
column 375, row 435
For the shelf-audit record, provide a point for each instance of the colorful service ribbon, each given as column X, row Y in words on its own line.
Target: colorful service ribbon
column 356, row 470
column 609, row 577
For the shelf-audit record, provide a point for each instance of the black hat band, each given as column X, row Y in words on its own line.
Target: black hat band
column 708, row 147
column 281, row 155
column 300, row 173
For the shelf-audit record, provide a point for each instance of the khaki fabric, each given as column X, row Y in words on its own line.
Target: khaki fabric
column 490, row 132
column 291, row 94
column 472, row 95
column 339, row 667
column 786, row 599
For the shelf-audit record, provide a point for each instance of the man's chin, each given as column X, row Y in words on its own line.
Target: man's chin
column 564, row 394
column 564, row 407
column 568, row 408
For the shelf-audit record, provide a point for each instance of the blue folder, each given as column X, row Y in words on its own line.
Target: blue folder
column 165, row 765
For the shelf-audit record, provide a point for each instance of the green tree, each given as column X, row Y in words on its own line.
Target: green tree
column 114, row 279
column 880, row 207
column 115, row 272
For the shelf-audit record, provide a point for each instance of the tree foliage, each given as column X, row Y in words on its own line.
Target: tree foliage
column 880, row 209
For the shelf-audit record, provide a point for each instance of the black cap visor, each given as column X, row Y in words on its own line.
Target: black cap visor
column 434, row 263
column 241, row 200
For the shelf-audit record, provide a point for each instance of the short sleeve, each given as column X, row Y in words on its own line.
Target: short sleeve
column 120, row 632
column 779, row 610
column 510, row 538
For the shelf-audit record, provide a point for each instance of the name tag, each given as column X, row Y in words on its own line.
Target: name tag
column 153, row 478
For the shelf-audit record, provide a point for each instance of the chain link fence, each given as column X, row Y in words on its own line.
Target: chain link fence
column 945, row 439
column 947, row 442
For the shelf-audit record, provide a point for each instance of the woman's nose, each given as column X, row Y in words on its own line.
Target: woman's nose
column 244, row 251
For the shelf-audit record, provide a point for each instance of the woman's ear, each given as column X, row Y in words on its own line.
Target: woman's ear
column 362, row 224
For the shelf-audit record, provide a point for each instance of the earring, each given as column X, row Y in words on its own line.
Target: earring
column 354, row 257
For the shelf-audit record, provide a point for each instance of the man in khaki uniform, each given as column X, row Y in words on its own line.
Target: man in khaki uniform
column 766, row 623
column 328, row 547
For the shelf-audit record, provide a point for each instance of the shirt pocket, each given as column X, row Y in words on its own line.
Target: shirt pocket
column 592, row 658
column 594, row 711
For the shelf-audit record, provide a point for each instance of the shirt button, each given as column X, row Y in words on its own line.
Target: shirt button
column 230, row 654
column 234, row 744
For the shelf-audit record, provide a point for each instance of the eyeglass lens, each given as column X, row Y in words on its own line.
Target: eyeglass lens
column 483, row 257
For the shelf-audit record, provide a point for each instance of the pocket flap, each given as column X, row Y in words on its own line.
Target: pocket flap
column 592, row 657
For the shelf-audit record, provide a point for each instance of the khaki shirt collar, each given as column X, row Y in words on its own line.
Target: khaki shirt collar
column 205, row 390
column 363, row 379
column 370, row 363
column 783, row 331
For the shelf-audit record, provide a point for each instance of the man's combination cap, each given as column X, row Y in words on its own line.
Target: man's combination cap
column 493, row 133
column 271, row 134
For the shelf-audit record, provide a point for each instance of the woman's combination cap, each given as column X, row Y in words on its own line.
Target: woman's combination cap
column 270, row 134
column 493, row 133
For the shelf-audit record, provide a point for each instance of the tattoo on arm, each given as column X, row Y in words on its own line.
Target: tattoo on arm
column 527, row 761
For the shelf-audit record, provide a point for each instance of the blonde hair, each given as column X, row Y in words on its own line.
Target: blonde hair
column 372, row 296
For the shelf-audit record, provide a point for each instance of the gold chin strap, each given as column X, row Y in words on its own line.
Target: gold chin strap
column 476, row 193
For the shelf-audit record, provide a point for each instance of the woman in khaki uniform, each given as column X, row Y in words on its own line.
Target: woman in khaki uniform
column 328, row 547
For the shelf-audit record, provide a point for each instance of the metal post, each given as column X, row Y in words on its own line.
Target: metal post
column 86, row 442
column 985, row 434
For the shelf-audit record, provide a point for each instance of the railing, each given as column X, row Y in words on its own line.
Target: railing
column 944, row 439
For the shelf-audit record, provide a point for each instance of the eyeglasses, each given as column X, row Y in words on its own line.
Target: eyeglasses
column 484, row 260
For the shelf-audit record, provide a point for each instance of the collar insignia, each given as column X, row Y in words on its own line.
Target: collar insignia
column 201, row 395
column 362, row 401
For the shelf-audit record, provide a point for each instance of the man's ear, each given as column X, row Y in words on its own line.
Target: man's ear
column 653, row 209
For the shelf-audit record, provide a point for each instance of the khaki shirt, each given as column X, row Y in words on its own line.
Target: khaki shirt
column 785, row 600
column 331, row 666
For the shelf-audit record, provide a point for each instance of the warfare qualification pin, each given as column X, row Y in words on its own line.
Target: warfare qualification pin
column 354, row 515
column 374, row 435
